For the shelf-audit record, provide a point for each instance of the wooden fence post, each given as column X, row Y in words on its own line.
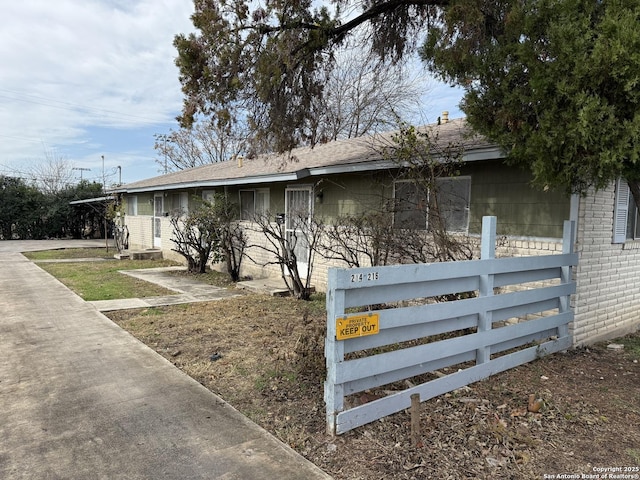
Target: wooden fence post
column 415, row 419
column 487, row 252
column 333, row 352
column 568, row 240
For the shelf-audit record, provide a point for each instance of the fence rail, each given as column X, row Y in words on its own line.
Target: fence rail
column 509, row 312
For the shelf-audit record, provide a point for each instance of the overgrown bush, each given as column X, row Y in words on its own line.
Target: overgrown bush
column 209, row 232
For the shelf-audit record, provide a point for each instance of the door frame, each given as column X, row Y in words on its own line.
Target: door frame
column 303, row 265
column 158, row 213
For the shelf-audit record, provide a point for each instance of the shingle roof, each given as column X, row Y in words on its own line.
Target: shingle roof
column 355, row 154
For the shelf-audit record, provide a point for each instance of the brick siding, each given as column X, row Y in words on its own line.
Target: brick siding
column 607, row 303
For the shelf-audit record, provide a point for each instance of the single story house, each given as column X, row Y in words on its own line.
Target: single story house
column 347, row 177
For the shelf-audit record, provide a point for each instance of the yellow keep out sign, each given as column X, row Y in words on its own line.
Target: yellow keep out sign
column 357, row 326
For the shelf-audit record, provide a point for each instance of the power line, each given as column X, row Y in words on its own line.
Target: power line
column 63, row 105
column 41, row 177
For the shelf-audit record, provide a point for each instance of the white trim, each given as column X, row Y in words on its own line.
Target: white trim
column 303, row 266
column 621, row 211
column 157, row 221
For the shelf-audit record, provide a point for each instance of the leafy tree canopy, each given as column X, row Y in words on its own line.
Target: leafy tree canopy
column 555, row 82
column 273, row 59
column 20, row 208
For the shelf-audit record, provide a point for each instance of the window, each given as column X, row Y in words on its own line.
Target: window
column 209, row 195
column 626, row 216
column 253, row 202
column 132, row 205
column 179, row 202
column 410, row 210
column 454, row 196
column 414, row 205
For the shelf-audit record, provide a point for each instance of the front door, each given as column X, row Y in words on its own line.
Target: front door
column 298, row 211
column 157, row 220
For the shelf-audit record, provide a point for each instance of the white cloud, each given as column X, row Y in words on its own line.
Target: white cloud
column 86, row 78
column 71, row 65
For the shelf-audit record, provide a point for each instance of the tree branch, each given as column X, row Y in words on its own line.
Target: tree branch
column 380, row 9
column 337, row 32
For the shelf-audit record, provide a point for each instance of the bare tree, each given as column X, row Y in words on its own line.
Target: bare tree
column 364, row 94
column 205, row 142
column 209, row 231
column 196, row 236
column 286, row 245
column 233, row 240
column 360, row 240
column 424, row 162
column 52, row 175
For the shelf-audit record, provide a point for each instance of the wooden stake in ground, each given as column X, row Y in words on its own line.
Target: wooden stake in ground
column 415, row 419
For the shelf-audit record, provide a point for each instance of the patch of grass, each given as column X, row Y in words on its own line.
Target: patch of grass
column 634, row 453
column 103, row 281
column 69, row 253
column 632, row 344
column 212, row 277
column 317, row 304
column 152, row 312
column 267, row 378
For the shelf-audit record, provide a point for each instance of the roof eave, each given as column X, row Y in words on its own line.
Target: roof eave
column 472, row 155
column 282, row 177
column 92, row 200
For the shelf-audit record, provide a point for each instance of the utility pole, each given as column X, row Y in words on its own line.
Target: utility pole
column 81, row 170
column 104, row 191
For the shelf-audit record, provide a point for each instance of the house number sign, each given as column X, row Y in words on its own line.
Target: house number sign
column 357, row 326
column 364, row 277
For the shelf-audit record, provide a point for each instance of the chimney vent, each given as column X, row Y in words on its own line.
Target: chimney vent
column 445, row 117
column 240, row 158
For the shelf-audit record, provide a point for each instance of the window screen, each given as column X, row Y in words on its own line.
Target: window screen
column 410, row 206
column 451, row 200
column 453, row 197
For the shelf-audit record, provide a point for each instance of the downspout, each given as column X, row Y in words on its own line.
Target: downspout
column 574, row 213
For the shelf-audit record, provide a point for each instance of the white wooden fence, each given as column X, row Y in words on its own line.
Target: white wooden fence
column 365, row 350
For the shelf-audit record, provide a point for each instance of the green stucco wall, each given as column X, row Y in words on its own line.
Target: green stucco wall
column 506, row 192
column 496, row 189
column 351, row 194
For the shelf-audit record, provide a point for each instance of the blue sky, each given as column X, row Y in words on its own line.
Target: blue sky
column 83, row 79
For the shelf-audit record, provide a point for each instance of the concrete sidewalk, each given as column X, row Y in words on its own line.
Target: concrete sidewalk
column 187, row 290
column 81, row 398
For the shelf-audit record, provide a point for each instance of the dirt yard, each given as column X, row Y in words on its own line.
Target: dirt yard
column 264, row 356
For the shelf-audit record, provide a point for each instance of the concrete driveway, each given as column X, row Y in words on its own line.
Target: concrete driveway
column 80, row 398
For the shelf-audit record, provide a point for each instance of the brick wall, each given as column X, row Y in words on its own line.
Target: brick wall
column 141, row 235
column 607, row 303
column 140, row 231
column 258, row 262
column 257, row 265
